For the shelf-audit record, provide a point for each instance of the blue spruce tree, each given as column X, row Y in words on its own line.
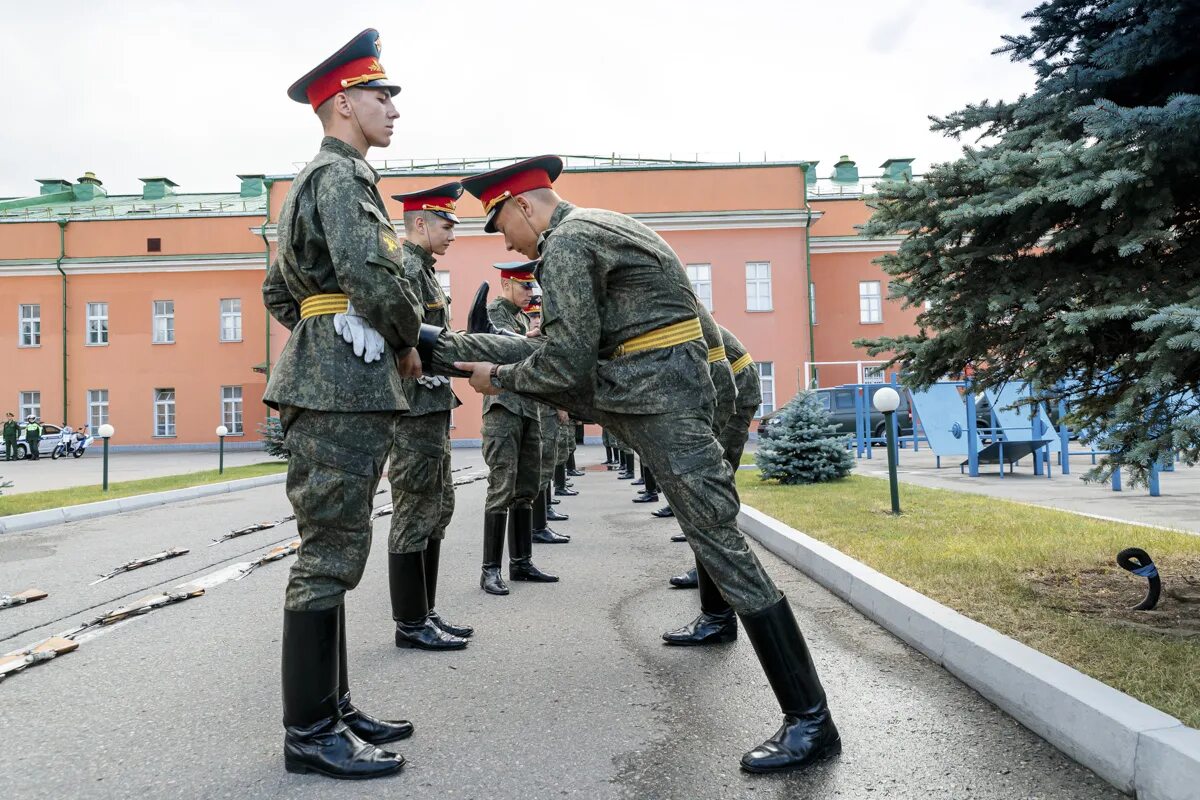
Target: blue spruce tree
column 803, row 446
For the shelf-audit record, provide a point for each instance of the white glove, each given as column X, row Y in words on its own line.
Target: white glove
column 355, row 330
column 433, row 381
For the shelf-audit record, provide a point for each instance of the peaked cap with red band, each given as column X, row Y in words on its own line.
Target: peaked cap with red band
column 440, row 200
column 355, row 65
column 535, row 305
column 493, row 188
column 519, row 270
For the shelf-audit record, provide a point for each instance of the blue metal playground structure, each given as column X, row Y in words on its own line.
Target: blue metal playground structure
column 946, row 420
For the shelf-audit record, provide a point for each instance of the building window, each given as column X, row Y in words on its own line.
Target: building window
column 164, row 322
column 758, row 286
column 701, row 277
column 443, row 279
column 870, row 302
column 31, row 403
column 812, row 303
column 231, row 320
column 154, row 245
column 766, row 375
column 97, row 323
column 31, row 325
column 231, row 409
column 874, row 375
column 164, row 412
column 97, row 404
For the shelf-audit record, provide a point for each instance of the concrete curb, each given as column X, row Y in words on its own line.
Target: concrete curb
column 103, row 508
column 1138, row 749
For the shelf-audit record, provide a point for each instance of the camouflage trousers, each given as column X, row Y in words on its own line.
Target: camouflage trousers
column 422, row 489
column 512, row 448
column 688, row 463
column 566, row 442
column 550, row 434
column 735, row 432
column 335, row 464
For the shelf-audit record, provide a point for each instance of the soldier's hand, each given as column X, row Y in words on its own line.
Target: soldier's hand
column 563, row 417
column 536, row 330
column 409, row 363
column 481, row 375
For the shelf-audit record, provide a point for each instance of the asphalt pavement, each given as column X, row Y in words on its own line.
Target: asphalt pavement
column 565, row 690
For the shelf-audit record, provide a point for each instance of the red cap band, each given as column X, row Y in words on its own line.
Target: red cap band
column 513, row 186
column 352, row 73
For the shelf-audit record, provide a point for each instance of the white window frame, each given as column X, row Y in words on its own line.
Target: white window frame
column 812, row 302
column 32, row 333
column 29, row 403
column 758, row 287
column 870, row 302
column 874, row 375
column 700, row 276
column 233, row 410
column 443, row 279
column 97, row 325
column 97, row 406
column 231, row 319
column 766, row 387
column 164, row 413
column 164, row 333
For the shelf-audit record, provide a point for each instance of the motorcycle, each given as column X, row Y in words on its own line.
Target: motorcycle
column 74, row 446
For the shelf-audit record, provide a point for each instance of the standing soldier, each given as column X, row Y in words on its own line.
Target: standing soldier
column 548, row 430
column 419, row 470
column 623, row 344
column 33, row 437
column 11, row 431
column 512, row 448
column 337, row 274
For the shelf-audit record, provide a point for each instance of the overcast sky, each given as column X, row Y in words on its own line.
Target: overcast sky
column 195, row 91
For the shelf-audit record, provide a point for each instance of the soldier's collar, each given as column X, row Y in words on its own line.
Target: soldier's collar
column 560, row 212
column 336, row 145
column 504, row 301
column 426, row 257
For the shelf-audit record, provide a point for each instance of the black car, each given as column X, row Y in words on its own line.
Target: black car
column 839, row 402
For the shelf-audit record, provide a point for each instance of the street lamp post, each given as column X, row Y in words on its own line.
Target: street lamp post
column 222, row 432
column 106, row 432
column 887, row 400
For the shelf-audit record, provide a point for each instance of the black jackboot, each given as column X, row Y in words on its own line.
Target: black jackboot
column 687, row 580
column 410, row 606
column 560, row 482
column 553, row 514
column 433, row 554
column 611, row 461
column 364, row 726
column 542, row 532
column 650, row 493
column 520, row 548
column 641, row 480
column 572, row 470
column 493, row 550
column 627, row 459
column 716, row 624
column 808, row 733
column 315, row 737
column 664, row 513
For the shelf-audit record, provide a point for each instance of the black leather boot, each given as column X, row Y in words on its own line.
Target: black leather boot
column 716, row 624
column 664, row 513
column 650, row 493
column 542, row 532
column 477, row 316
column 315, row 738
column 679, row 537
column 626, row 473
column 808, row 733
column 560, row 482
column 572, row 470
column 553, row 514
column 410, row 606
column 364, row 726
column 687, row 580
column 641, row 479
column 433, row 554
column 520, row 548
column 493, row 550
column 613, row 461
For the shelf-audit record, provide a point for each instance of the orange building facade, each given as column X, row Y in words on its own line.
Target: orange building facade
column 165, row 337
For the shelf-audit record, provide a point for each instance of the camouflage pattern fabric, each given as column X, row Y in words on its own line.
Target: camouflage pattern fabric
column 419, row 270
column 606, row 438
column 720, row 372
column 735, row 432
column 422, row 487
column 749, row 385
column 512, row 448
column 335, row 464
column 505, row 315
column 566, row 441
column 550, row 434
column 335, row 237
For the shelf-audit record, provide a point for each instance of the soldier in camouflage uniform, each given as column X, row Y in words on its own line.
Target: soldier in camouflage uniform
column 549, row 427
column 512, row 448
column 623, row 344
column 566, row 443
column 419, row 471
column 610, row 448
column 337, row 275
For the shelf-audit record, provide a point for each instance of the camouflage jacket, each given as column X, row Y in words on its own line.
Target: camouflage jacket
column 418, row 269
column 504, row 314
column 719, row 371
column 749, row 386
column 335, row 237
column 607, row 278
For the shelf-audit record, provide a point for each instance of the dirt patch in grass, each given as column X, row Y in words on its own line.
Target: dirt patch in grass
column 1109, row 593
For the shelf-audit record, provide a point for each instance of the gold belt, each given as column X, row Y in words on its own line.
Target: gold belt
column 320, row 304
column 716, row 354
column 742, row 363
column 668, row 336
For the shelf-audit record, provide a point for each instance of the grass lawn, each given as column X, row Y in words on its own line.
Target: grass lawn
column 1047, row 578
column 75, row 495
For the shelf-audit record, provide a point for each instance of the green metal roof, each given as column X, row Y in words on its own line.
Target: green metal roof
column 130, row 206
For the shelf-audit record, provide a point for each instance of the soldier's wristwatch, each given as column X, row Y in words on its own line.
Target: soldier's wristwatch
column 495, row 376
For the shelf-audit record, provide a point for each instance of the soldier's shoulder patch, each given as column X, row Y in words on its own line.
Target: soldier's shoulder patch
column 389, row 245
